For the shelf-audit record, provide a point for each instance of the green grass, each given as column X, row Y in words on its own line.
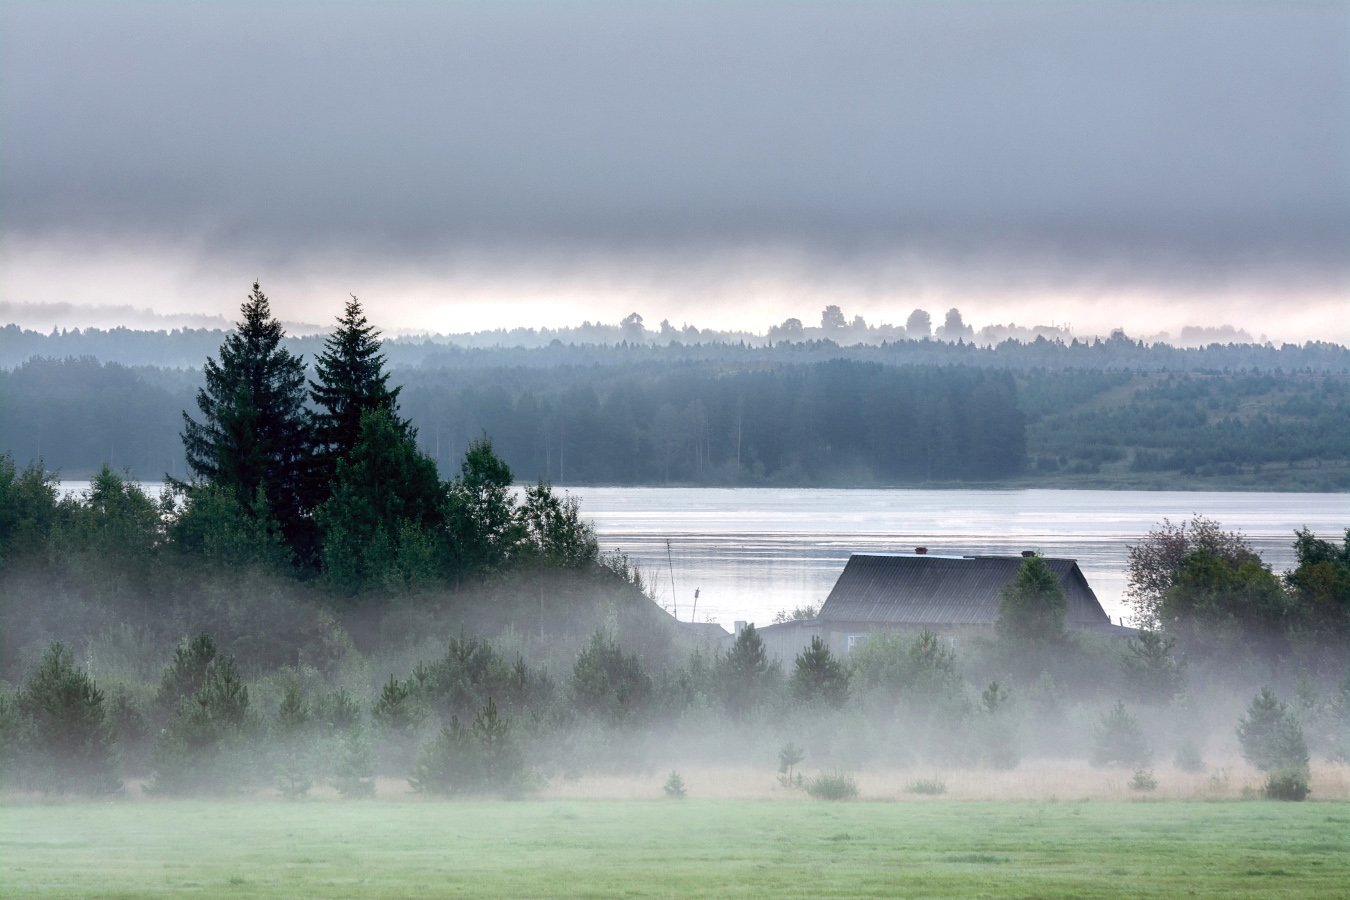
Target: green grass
column 658, row 848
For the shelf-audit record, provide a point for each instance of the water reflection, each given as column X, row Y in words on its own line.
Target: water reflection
column 751, row 552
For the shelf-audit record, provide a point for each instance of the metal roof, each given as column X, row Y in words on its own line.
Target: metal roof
column 944, row 590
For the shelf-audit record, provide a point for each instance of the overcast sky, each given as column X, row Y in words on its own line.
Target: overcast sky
column 466, row 165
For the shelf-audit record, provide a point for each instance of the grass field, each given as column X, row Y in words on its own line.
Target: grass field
column 708, row 847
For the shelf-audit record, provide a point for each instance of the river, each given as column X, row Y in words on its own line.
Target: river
column 749, row 552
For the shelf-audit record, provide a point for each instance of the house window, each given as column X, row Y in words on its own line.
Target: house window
column 855, row 640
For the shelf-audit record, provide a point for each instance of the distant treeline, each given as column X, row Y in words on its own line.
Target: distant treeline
column 607, row 346
column 836, row 422
column 824, row 423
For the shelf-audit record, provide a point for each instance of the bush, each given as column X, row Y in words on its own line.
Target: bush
column 1143, row 780
column 835, row 786
column 929, row 786
column 1271, row 736
column 674, row 786
column 1119, row 741
column 1287, row 784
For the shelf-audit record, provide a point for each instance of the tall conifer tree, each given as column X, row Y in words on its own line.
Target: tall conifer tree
column 351, row 380
column 253, row 431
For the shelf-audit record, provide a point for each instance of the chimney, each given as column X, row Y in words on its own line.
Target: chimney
column 740, row 626
column 1028, row 554
column 921, row 550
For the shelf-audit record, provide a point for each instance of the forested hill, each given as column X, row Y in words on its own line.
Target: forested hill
column 597, row 346
column 671, row 421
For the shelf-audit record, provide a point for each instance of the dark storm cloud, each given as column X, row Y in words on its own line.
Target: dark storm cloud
column 1188, row 136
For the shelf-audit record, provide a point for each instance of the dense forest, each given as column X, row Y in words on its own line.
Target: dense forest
column 791, row 416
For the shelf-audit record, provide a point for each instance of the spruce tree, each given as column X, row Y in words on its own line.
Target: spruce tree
column 1033, row 606
column 253, row 431
column 351, row 380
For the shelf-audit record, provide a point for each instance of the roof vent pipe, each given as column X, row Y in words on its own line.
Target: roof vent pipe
column 1028, row 554
column 920, row 550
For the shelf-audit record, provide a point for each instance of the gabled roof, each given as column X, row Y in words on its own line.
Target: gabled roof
column 922, row 589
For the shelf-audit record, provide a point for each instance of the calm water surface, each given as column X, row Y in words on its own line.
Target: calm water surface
column 750, row 552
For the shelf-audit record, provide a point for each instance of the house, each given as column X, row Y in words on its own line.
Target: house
column 912, row 592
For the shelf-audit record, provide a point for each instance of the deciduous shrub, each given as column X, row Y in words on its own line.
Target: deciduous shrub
column 1287, row 784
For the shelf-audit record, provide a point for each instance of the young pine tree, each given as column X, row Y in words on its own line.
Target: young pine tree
column 1033, row 606
column 253, row 432
column 70, row 739
column 818, row 675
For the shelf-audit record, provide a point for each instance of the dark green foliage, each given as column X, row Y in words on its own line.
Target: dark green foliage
column 351, row 381
column 1214, row 604
column 554, row 531
column 833, row 786
column 1150, row 669
column 186, row 673
column 1271, row 736
column 253, row 432
column 293, row 715
column 608, row 683
column 1321, row 588
column 214, row 524
column 1156, row 562
column 338, row 712
column 398, row 711
column 481, row 511
column 208, row 746
column 1119, row 741
column 471, row 672
column 379, row 524
column 818, row 676
column 744, row 675
column 1033, row 607
column 481, row 759
column 1288, row 783
column 28, row 509
column 114, row 524
column 69, row 742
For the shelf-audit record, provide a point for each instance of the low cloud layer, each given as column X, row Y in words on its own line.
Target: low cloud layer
column 874, row 150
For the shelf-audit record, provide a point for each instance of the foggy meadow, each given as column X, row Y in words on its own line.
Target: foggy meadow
column 322, row 594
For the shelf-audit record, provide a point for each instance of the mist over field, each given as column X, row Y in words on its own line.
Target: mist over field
column 361, row 285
